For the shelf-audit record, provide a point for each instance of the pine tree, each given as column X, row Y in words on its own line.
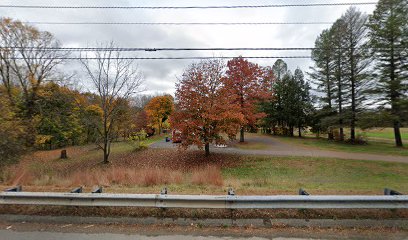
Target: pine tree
column 356, row 62
column 337, row 33
column 388, row 39
column 304, row 105
column 321, row 74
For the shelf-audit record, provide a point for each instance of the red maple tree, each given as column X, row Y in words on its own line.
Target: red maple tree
column 248, row 85
column 204, row 113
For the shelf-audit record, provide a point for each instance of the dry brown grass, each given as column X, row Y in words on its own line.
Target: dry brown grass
column 142, row 168
column 125, row 177
column 209, row 175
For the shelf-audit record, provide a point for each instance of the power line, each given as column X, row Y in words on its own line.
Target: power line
column 163, row 58
column 180, row 23
column 132, row 49
column 189, row 7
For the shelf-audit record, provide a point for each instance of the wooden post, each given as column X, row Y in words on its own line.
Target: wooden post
column 64, row 154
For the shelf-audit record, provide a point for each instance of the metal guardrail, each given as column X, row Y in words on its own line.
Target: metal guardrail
column 205, row 201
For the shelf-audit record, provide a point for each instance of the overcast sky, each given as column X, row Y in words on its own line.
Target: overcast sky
column 160, row 75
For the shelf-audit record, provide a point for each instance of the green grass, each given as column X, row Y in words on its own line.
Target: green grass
column 122, row 147
column 386, row 133
column 377, row 134
column 372, row 147
column 155, row 138
column 319, row 174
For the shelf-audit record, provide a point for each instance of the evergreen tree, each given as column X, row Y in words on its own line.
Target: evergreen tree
column 322, row 76
column 304, row 106
column 356, row 62
column 337, row 33
column 388, row 39
column 280, row 69
column 291, row 104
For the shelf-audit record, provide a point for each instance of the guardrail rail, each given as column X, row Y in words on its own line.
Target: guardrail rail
column 393, row 200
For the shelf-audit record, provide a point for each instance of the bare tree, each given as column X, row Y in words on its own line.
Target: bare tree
column 115, row 80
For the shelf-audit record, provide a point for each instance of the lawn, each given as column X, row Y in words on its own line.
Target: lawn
column 386, row 133
column 190, row 172
column 317, row 175
column 372, row 147
column 155, row 138
column 375, row 134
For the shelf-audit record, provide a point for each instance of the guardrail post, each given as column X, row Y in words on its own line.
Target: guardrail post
column 231, row 192
column 303, row 192
column 77, row 190
column 97, row 190
column 163, row 209
column 15, row 189
column 388, row 191
column 163, row 191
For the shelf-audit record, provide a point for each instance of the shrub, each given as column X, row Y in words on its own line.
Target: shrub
column 361, row 139
column 137, row 140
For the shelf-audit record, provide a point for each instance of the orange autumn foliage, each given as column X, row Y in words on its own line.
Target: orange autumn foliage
column 246, row 82
column 204, row 112
column 158, row 110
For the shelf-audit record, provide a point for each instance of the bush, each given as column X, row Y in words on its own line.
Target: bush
column 336, row 135
column 137, row 140
column 361, row 139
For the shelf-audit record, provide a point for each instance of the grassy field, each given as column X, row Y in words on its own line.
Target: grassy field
column 372, row 147
column 375, row 134
column 147, row 171
column 319, row 175
column 385, row 133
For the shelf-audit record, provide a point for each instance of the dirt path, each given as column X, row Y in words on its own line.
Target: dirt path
column 276, row 147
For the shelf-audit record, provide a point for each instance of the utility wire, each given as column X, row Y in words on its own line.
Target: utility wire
column 131, row 49
column 150, row 49
column 180, row 23
column 160, row 58
column 189, row 7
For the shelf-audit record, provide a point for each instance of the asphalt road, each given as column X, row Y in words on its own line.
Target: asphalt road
column 34, row 230
column 280, row 148
column 13, row 235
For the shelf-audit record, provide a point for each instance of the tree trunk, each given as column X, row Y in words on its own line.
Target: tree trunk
column 105, row 151
column 353, row 117
column 207, row 149
column 394, row 99
column 330, row 134
column 241, row 136
column 341, row 133
column 64, row 154
column 105, row 157
column 352, row 132
column 397, row 134
column 353, row 99
column 300, row 131
column 29, row 121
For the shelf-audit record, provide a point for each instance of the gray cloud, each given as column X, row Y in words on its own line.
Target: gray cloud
column 161, row 74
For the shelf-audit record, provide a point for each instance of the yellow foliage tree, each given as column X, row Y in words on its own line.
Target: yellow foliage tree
column 158, row 111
